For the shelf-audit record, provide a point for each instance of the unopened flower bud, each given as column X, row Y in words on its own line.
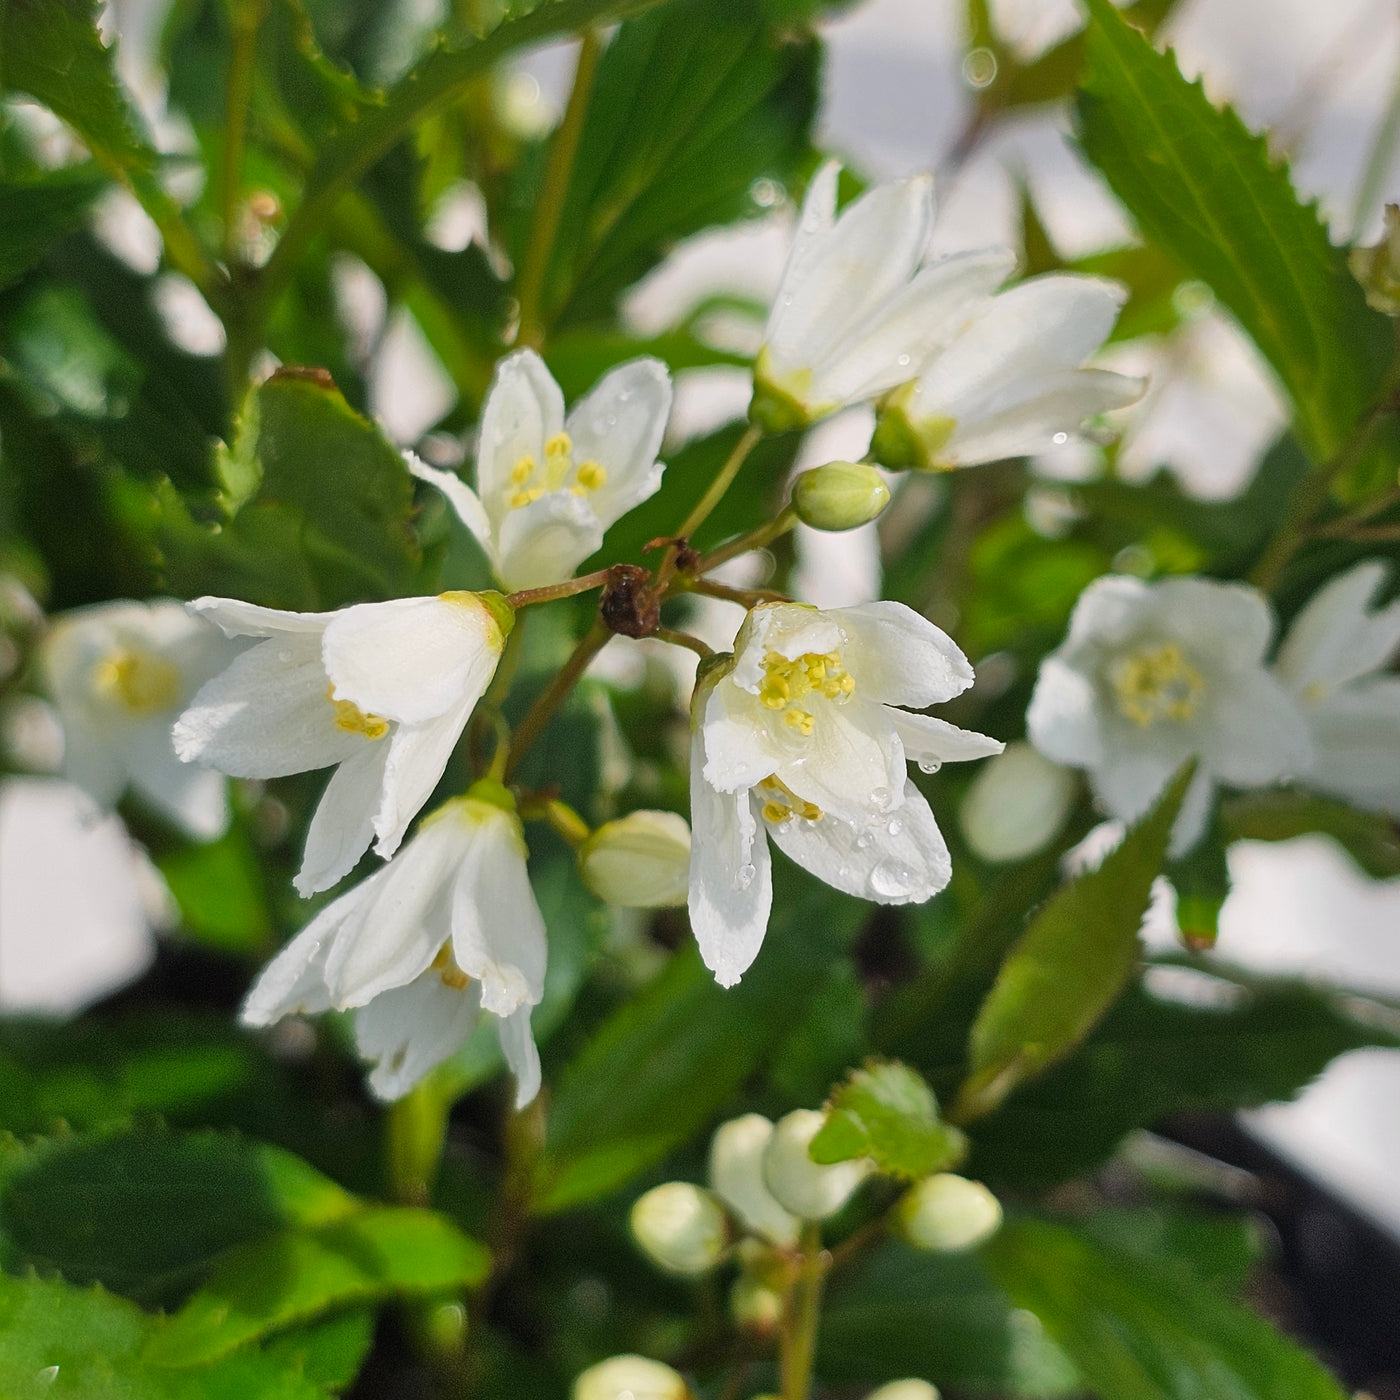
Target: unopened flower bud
column 680, row 1227
column 1377, row 268
column 754, row 1306
column 839, row 496
column 736, row 1174
column 640, row 861
column 806, row 1188
column 906, row 438
column 905, row 1390
column 630, row 1378
column 1016, row 805
column 948, row 1213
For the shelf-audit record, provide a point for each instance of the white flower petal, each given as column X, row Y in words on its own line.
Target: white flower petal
column 238, row 619
column 524, row 409
column 518, row 1046
column 1108, row 613
column 1336, row 639
column 407, row 1031
column 735, row 735
column 1256, row 734
column 900, row 859
column 1062, row 720
column 1191, row 820
column 463, row 500
column 268, row 715
column 195, row 799
column 418, row 755
column 1356, row 741
column 1230, row 622
column 790, row 629
column 899, row 657
column 343, row 824
column 294, row 982
column 931, row 740
column 814, row 220
column 736, row 1177
column 1128, row 783
column 545, row 541
column 731, row 876
column 412, row 659
column 94, row 762
column 851, row 765
column 619, row 424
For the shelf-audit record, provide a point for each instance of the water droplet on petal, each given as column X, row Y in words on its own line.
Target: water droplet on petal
column 746, row 874
column 1060, row 439
column 902, row 361
column 895, row 826
column 862, row 841
column 928, row 764
column 891, row 880
column 880, row 796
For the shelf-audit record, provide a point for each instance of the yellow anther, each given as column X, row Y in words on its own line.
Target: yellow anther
column 774, row 692
column 1157, row 683
column 799, row 720
column 523, row 498
column 560, row 445
column 787, row 682
column 591, row 475
column 140, row 681
column 784, row 803
column 775, row 812
column 523, row 470
column 350, row 718
column 451, row 975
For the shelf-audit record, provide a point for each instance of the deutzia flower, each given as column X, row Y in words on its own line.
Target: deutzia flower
column 798, row 735
column 1333, row 661
column 119, row 674
column 447, row 929
column 1011, row 383
column 380, row 690
column 1152, row 674
column 549, row 486
column 855, row 313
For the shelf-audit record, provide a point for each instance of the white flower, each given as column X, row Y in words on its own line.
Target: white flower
column 1333, row 661
column 1152, row 674
column 547, row 487
column 447, row 929
column 855, row 313
column 798, row 735
column 810, row 1190
column 381, row 690
column 120, row 673
column 1011, row 383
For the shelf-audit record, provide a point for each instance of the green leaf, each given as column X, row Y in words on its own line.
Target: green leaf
column 328, row 1353
column 1069, row 965
column 1147, row 1329
column 886, row 1112
column 35, row 213
column 1371, row 839
column 219, row 889
column 297, row 1275
column 145, row 1212
column 58, row 1342
column 661, row 1067
column 1243, row 1043
column 1206, row 191
column 690, row 106
column 909, row 1312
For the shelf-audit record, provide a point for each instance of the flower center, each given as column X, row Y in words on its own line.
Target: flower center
column 782, row 803
column 789, row 686
column 140, row 681
column 350, row 718
column 452, row 976
column 559, row 472
column 1157, row 683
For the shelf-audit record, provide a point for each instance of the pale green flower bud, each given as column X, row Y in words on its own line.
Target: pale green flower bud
column 1016, row 805
column 736, row 1174
column 754, row 1306
column 1378, row 268
column 680, row 1227
column 948, row 1213
column 839, row 496
column 806, row 1188
column 905, row 1390
column 630, row 1378
column 904, row 438
column 640, row 861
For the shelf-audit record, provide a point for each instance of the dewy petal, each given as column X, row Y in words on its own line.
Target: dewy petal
column 927, row 739
column 899, row 657
column 850, row 271
column 269, row 714
column 814, row 220
column 417, row 757
column 239, row 619
column 524, row 409
column 498, row 935
column 731, row 876
column 343, row 825
column 1356, row 743
column 738, row 748
column 295, row 980
column 408, row 1030
column 1062, row 720
column 619, row 424
column 1336, row 639
column 545, row 541
column 790, row 629
column 1256, row 734
column 463, row 500
column 899, row 339
column 518, row 1046
column 852, row 765
column 412, row 659
column 900, row 859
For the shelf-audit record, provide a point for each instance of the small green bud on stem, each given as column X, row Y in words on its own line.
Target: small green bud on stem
column 839, row 496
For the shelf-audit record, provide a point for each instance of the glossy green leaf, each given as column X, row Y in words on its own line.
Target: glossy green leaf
column 1147, row 1329
column 886, row 1112
column 59, row 1342
column 1206, row 191
column 1069, row 965
column 294, row 1276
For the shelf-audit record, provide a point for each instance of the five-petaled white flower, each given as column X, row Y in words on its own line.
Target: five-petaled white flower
column 798, row 734
column 1011, row 383
column 1333, row 661
column 1152, row 674
column 447, row 929
column 381, row 690
column 120, row 673
column 547, row 487
column 856, row 314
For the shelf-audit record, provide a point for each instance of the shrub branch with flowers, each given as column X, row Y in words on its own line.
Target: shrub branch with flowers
column 499, row 932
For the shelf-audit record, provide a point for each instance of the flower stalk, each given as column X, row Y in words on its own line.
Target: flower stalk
column 798, row 1338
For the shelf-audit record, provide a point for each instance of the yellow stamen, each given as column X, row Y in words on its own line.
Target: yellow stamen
column 140, row 681
column 775, row 812
column 799, row 720
column 451, row 975
column 523, row 470
column 560, row 445
column 591, row 475
column 785, row 803
column 787, row 682
column 1157, row 683
column 523, row 498
column 350, row 718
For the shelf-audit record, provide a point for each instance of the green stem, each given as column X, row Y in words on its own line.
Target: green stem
column 724, row 479
column 798, row 1342
column 416, row 1132
column 527, row 597
column 245, row 20
column 539, row 714
column 683, row 639
column 554, row 191
column 757, row 538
